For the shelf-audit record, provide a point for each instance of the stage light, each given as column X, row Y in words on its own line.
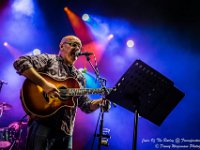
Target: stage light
column 66, row 9
column 110, row 36
column 36, row 51
column 85, row 17
column 130, row 43
column 5, row 44
column 25, row 7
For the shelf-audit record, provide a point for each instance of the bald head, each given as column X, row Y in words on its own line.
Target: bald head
column 69, row 45
column 70, row 38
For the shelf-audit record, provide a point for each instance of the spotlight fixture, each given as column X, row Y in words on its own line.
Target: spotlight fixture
column 36, row 51
column 5, row 44
column 85, row 17
column 130, row 43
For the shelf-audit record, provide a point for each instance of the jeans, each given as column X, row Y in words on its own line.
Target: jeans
column 42, row 137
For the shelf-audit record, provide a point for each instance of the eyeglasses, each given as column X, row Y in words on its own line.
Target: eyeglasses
column 74, row 44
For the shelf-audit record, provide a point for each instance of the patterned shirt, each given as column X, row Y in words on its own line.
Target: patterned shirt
column 54, row 66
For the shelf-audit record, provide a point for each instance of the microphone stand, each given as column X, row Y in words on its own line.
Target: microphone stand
column 101, row 115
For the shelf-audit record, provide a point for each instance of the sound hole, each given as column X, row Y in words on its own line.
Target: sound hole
column 45, row 96
column 63, row 94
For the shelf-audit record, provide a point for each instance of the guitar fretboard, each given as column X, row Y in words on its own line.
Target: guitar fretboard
column 84, row 91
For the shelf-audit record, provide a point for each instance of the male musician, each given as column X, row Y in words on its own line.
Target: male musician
column 56, row 131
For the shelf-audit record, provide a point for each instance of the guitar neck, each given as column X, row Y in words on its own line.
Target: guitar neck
column 84, row 91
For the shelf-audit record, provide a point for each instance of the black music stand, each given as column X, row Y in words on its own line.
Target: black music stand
column 146, row 92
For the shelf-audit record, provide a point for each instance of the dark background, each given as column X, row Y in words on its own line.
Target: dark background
column 166, row 35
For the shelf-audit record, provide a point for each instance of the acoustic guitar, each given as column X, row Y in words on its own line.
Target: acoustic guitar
column 38, row 104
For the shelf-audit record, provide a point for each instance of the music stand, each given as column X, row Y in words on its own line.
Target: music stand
column 146, row 92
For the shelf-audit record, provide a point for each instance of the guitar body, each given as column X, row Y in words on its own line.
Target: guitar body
column 37, row 104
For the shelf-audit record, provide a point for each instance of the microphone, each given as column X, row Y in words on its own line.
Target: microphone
column 83, row 53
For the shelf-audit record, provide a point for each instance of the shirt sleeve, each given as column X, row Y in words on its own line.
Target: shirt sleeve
column 39, row 62
column 84, row 104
